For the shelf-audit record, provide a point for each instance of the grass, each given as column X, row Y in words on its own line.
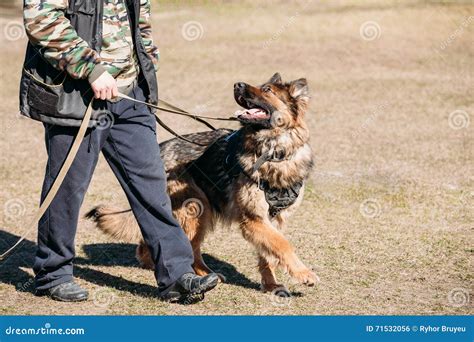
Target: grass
column 387, row 218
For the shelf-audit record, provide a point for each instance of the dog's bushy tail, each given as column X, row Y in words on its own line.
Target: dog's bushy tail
column 118, row 223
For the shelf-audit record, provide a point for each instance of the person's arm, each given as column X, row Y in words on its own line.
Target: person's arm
column 145, row 30
column 51, row 32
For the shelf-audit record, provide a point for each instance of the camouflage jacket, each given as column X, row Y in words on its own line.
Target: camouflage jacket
column 48, row 28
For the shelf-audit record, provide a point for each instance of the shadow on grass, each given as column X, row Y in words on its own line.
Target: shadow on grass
column 21, row 257
column 106, row 254
column 233, row 276
column 123, row 254
column 109, row 254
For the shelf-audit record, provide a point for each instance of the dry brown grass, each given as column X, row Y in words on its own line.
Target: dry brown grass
column 380, row 122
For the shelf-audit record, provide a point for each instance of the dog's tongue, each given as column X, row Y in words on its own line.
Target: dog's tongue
column 253, row 113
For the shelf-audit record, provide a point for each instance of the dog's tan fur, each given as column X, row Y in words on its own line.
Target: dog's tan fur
column 246, row 207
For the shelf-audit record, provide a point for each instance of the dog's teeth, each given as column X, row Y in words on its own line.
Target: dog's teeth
column 254, row 111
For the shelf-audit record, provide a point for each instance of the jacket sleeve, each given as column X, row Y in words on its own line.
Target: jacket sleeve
column 51, row 32
column 145, row 30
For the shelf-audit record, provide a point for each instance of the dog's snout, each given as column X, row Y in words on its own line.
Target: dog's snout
column 239, row 86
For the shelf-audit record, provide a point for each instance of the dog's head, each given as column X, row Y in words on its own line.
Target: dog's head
column 274, row 104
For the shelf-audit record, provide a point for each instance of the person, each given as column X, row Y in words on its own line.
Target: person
column 79, row 50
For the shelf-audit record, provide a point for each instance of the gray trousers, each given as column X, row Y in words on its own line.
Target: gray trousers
column 127, row 138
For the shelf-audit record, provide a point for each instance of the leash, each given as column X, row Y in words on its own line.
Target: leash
column 59, row 178
column 169, row 108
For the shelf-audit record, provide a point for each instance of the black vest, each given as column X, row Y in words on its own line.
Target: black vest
column 52, row 96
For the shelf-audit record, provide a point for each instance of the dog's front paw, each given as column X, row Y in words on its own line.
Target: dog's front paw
column 306, row 277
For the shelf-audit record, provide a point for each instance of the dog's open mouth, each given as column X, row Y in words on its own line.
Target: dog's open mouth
column 251, row 112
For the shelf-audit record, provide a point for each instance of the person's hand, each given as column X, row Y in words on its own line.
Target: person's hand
column 105, row 87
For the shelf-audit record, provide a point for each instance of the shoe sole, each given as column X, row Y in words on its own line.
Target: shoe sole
column 60, row 299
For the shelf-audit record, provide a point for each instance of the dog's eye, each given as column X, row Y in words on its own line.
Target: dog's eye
column 267, row 89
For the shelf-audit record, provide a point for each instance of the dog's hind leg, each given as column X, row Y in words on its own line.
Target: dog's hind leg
column 195, row 215
column 196, row 228
column 144, row 257
column 199, row 266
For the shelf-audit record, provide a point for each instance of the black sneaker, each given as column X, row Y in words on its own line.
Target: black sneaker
column 190, row 288
column 65, row 292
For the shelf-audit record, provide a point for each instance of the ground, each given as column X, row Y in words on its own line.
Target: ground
column 387, row 220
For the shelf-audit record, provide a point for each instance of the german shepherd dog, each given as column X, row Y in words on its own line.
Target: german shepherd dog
column 252, row 178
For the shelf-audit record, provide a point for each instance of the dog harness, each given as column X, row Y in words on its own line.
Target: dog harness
column 277, row 198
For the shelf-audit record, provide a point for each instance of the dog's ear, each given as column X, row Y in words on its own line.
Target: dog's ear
column 276, row 79
column 299, row 89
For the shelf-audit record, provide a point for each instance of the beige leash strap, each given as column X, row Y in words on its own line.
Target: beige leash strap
column 167, row 107
column 59, row 178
